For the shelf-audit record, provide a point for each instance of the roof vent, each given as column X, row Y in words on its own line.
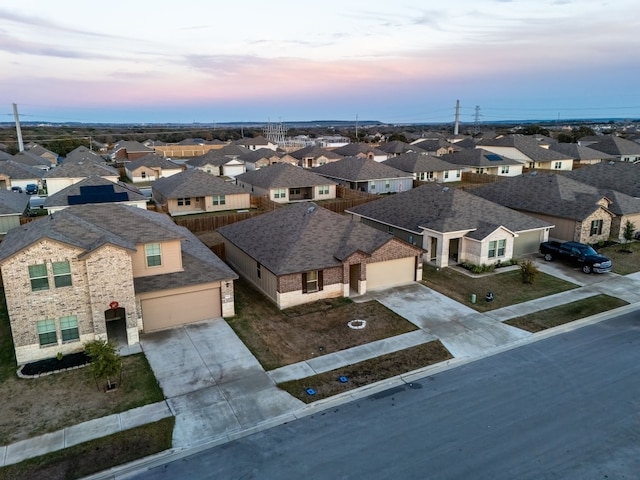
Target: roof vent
column 445, row 189
column 311, row 209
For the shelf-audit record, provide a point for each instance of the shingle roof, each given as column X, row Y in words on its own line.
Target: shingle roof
column 353, row 149
column 131, row 146
column 445, row 209
column 616, row 146
column 13, row 203
column 397, row 147
column 259, row 140
column 549, row 194
column 527, row 145
column 418, row 162
column 82, row 153
column 315, row 152
column 31, row 159
column 83, row 168
column 478, row 157
column 359, row 169
column 16, row 170
column 194, row 183
column 217, row 157
column 253, row 156
column 152, row 161
column 621, row 176
column 433, row 145
column 302, row 237
column 90, row 226
column 578, row 152
column 61, row 198
column 282, row 175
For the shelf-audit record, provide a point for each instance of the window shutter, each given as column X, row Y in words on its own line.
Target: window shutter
column 304, row 283
column 320, row 282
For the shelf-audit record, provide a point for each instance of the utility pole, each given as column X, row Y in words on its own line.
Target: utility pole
column 456, row 126
column 357, row 140
column 18, row 131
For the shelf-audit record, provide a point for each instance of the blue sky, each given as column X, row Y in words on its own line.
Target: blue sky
column 397, row 62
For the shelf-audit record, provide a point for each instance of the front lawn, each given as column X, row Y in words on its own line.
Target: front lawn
column 625, row 258
column 281, row 337
column 506, row 286
column 552, row 317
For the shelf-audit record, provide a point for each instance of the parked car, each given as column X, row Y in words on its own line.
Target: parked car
column 16, row 189
column 32, row 189
column 575, row 252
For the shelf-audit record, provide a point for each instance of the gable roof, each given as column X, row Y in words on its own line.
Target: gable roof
column 259, row 140
column 32, row 160
column 617, row 146
column 13, row 203
column 219, row 157
column 282, row 175
column 315, row 152
column 302, row 237
column 89, row 227
column 194, row 183
column 445, row 209
column 419, row 162
column 353, row 149
column 81, row 168
column 527, row 145
column 359, row 169
column 16, row 170
column 396, row 147
column 253, row 156
column 94, row 189
column 548, row 194
column 131, row 146
column 152, row 161
column 83, row 153
column 434, row 144
column 621, row 176
column 478, row 157
column 579, row 152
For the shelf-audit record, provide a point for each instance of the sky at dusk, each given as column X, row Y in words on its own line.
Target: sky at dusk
column 406, row 61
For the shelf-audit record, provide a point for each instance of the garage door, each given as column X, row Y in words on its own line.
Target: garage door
column 390, row 273
column 526, row 243
column 172, row 310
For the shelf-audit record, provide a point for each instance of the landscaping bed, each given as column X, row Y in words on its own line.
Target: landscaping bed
column 51, row 365
column 364, row 373
column 280, row 338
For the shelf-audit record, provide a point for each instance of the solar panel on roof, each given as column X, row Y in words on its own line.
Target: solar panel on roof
column 492, row 157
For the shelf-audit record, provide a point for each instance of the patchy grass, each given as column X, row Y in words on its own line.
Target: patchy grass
column 506, row 286
column 280, row 338
column 95, row 456
column 552, row 317
column 625, row 258
column 367, row 372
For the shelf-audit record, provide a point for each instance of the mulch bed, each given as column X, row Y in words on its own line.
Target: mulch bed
column 50, row 365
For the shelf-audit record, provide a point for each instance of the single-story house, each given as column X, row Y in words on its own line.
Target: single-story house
column 435, row 146
column 620, row 148
column 70, row 172
column 454, row 226
column 150, row 168
column 224, row 162
column 303, row 253
column 263, row 157
column 13, row 205
column 398, row 147
column 479, row 160
column 581, row 155
column 256, row 143
column 528, row 151
column 579, row 212
column 362, row 150
column 129, row 150
column 426, row 168
column 284, row 183
column 14, row 174
column 106, row 271
column 194, row 191
column 313, row 156
column 366, row 175
column 95, row 189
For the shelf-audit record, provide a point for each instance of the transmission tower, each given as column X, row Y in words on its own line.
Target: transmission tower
column 476, row 119
column 275, row 133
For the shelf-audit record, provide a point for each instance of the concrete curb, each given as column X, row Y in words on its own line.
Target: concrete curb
column 122, row 472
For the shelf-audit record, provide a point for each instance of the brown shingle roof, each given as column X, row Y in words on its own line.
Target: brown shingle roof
column 194, row 183
column 282, row 175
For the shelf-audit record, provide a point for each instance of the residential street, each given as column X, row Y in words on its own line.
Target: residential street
column 566, row 407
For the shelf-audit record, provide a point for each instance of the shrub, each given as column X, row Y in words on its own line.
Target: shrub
column 529, row 271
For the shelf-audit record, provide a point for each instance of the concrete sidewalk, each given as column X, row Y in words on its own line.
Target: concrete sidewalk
column 217, row 390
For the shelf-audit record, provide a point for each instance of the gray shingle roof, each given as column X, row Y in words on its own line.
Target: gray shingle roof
column 397, row 147
column 549, row 194
column 90, row 226
column 31, row 159
column 616, row 146
column 61, row 198
column 578, row 152
column 194, row 183
column 131, row 146
column 13, row 203
column 527, row 145
column 621, row 176
column 315, row 152
column 302, row 237
column 353, row 149
column 359, row 169
column 478, row 157
column 217, row 158
column 152, row 161
column 16, row 170
column 83, row 168
column 418, row 162
column 262, row 153
column 445, row 209
column 282, row 175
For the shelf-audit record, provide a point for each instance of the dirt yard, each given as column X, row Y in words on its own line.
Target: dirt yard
column 280, row 338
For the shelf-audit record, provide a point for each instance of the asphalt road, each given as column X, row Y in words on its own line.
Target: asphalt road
column 567, row 407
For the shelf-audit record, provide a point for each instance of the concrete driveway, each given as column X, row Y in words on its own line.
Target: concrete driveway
column 213, row 384
column 465, row 332
column 569, row 272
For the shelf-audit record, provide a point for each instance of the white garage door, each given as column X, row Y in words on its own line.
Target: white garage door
column 526, row 243
column 172, row 310
column 390, row 273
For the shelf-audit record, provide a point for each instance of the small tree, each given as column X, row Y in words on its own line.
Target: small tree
column 628, row 233
column 529, row 271
column 105, row 361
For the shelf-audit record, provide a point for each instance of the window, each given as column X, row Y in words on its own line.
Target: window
column 390, row 229
column 184, row 201
column 372, row 185
column 492, row 249
column 323, row 190
column 480, row 170
column 259, row 270
column 219, row 200
column 143, row 175
column 310, row 281
column 387, row 184
column 457, row 173
column 411, row 240
column 446, row 174
column 557, row 165
column 38, row 276
column 69, row 328
column 505, row 169
column 62, row 274
column 596, row 227
column 279, row 193
column 502, row 246
column 153, row 253
column 497, row 248
column 47, row 332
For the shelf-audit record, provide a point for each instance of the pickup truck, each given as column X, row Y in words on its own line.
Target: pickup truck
column 584, row 255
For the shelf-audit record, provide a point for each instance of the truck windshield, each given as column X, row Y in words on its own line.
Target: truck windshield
column 587, row 250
